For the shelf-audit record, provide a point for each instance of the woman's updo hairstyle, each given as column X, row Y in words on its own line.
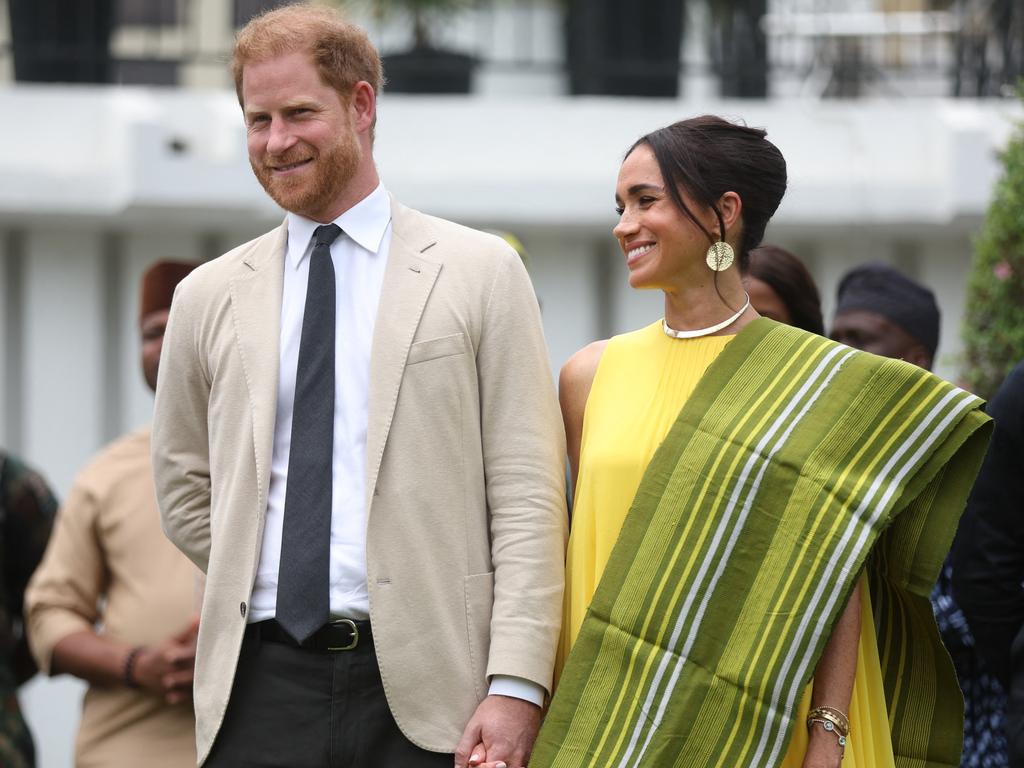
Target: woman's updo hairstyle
column 707, row 157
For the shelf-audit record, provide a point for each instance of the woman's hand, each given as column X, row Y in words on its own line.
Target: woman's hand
column 823, row 750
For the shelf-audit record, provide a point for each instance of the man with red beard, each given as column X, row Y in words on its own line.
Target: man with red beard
column 357, row 439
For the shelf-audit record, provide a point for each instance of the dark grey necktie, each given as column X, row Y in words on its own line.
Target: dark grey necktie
column 303, row 599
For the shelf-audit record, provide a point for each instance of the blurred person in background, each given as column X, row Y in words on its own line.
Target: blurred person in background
column 27, row 508
column 114, row 602
column 881, row 310
column 988, row 561
column 781, row 288
column 727, row 472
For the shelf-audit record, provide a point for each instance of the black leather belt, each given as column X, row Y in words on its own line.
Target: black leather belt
column 335, row 636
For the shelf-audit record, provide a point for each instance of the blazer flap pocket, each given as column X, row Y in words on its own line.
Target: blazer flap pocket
column 431, row 349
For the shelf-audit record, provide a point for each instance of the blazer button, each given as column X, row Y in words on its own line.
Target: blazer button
column 241, row 608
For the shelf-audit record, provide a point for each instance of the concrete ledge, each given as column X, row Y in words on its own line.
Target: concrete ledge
column 547, row 161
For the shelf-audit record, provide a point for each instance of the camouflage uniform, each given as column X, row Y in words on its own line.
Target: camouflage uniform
column 27, row 509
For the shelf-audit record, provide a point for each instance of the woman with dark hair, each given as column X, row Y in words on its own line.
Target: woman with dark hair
column 781, row 288
column 738, row 485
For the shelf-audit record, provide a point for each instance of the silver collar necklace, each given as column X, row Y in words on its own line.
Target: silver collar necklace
column 698, row 332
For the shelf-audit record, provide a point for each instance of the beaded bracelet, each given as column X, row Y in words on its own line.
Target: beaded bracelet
column 831, row 728
column 128, row 673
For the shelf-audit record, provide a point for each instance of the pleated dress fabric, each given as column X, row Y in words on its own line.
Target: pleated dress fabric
column 643, row 380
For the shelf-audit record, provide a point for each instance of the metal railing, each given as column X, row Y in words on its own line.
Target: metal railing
column 753, row 48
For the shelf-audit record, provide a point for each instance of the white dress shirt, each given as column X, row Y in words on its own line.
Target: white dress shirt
column 360, row 256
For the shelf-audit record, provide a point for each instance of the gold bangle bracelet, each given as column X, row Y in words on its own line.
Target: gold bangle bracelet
column 833, row 715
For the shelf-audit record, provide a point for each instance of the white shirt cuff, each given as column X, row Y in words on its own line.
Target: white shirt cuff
column 518, row 688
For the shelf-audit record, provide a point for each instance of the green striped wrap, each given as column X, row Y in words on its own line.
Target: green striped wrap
column 796, row 462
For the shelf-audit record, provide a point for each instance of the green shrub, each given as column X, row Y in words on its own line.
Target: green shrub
column 994, row 320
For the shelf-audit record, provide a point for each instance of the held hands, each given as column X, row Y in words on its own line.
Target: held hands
column 167, row 669
column 500, row 733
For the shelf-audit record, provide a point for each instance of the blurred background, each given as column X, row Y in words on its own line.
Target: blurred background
column 121, row 142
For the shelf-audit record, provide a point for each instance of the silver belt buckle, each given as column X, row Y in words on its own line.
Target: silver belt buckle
column 355, row 635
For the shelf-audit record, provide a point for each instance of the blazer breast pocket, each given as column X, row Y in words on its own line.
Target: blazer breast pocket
column 433, row 349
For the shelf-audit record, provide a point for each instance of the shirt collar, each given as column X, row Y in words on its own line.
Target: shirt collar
column 365, row 222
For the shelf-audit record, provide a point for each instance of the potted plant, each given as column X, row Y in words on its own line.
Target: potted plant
column 624, row 49
column 61, row 42
column 426, row 67
column 739, row 48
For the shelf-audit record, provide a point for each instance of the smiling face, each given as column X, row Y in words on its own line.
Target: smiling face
column 303, row 144
column 662, row 245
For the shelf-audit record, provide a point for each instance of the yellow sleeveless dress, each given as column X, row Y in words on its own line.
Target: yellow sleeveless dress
column 642, row 382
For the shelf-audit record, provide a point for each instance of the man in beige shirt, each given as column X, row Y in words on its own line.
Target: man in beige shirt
column 109, row 563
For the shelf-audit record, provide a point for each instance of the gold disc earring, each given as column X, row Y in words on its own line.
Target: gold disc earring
column 720, row 256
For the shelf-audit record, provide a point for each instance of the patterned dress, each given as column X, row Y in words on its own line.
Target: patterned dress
column 984, row 700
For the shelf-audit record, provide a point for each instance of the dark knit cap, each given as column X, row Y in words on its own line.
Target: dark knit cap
column 888, row 292
column 158, row 284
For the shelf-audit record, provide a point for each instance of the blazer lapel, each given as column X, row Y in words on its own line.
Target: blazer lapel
column 256, row 296
column 408, row 280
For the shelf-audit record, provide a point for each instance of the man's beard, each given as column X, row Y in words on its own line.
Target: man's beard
column 311, row 197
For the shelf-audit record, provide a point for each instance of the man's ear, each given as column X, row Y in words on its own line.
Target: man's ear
column 364, row 106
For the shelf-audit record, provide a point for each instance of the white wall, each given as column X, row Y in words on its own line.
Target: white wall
column 61, row 381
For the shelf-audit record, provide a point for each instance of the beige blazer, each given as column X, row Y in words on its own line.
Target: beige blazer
column 465, row 502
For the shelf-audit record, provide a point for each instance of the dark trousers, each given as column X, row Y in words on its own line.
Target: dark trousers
column 297, row 708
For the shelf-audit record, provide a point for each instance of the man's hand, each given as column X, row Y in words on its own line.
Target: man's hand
column 500, row 733
column 167, row 669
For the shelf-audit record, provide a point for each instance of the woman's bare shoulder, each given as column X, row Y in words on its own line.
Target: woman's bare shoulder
column 579, row 370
